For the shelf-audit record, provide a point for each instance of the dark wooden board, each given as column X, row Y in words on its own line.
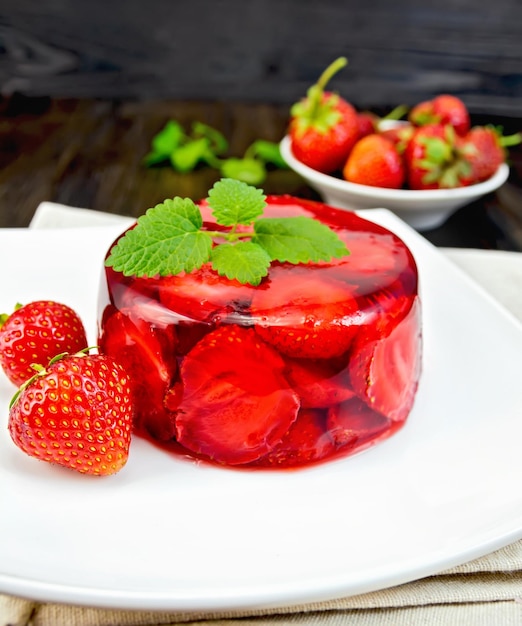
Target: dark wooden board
column 264, row 50
column 89, row 153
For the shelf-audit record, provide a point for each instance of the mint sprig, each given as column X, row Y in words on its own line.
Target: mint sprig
column 170, row 238
column 204, row 145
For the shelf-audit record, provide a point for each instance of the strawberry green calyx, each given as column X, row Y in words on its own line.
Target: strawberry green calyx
column 171, row 238
column 506, row 141
column 5, row 316
column 314, row 110
column 443, row 162
column 40, row 371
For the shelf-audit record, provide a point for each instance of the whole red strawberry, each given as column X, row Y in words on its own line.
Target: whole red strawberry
column 444, row 109
column 434, row 160
column 35, row 333
column 370, row 123
column 399, row 135
column 375, row 161
column 77, row 413
column 484, row 148
column 323, row 126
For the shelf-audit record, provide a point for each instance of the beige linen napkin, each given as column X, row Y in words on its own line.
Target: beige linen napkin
column 483, row 592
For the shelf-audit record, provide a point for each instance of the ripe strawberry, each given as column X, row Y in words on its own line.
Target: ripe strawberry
column 146, row 352
column 323, row 126
column 234, row 403
column 374, row 161
column 305, row 315
column 385, row 370
column 484, row 147
column 399, row 135
column 76, row 413
column 434, row 161
column 444, row 109
column 306, row 441
column 368, row 123
column 35, row 333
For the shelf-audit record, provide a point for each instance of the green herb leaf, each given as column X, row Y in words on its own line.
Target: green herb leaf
column 298, row 240
column 167, row 240
column 186, row 157
column 218, row 143
column 249, row 171
column 170, row 239
column 244, row 261
column 268, row 152
column 168, row 138
column 164, row 143
column 234, row 202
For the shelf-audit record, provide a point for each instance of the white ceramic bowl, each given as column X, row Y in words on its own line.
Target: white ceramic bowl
column 421, row 209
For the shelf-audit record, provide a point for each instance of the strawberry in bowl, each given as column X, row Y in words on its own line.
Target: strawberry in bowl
column 272, row 332
column 423, row 169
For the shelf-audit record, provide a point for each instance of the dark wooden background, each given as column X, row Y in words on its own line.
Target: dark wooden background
column 264, row 50
column 85, row 85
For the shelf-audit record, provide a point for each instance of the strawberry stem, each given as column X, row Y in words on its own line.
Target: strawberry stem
column 396, row 113
column 510, row 140
column 315, row 92
column 332, row 69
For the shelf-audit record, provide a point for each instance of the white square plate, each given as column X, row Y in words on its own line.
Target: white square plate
column 174, row 535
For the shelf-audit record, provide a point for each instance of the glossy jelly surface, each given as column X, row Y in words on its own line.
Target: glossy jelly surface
column 319, row 361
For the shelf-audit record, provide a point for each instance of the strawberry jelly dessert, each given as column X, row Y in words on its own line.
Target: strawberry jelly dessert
column 319, row 360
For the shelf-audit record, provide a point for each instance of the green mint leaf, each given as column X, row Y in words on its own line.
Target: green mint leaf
column 168, row 139
column 298, row 240
column 167, row 240
column 268, row 152
column 234, row 202
column 153, row 158
column 244, row 261
column 250, row 171
column 218, row 143
column 186, row 157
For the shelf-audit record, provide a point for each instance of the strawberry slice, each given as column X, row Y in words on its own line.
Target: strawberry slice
column 304, row 315
column 235, row 403
column 204, row 295
column 352, row 424
column 147, row 355
column 319, row 383
column 385, row 369
column 371, row 254
column 384, row 309
column 307, row 441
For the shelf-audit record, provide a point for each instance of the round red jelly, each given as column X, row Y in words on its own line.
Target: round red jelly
column 318, row 361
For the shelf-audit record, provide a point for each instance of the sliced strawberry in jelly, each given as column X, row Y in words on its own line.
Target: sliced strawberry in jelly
column 205, row 296
column 370, row 253
column 319, row 383
column 385, row 370
column 304, row 315
column 384, row 309
column 353, row 423
column 307, row 441
column 147, row 354
column 235, row 404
